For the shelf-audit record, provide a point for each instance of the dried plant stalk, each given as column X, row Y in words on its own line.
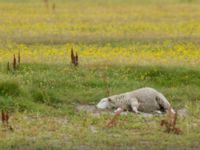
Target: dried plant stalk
column 4, row 117
column 170, row 122
column 74, row 58
column 14, row 62
column 114, row 120
column 5, row 120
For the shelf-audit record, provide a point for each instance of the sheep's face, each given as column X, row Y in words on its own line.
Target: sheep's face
column 104, row 103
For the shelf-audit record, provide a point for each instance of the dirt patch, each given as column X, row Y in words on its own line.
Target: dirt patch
column 93, row 110
column 96, row 112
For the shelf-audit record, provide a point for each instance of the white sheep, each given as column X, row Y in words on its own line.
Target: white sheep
column 146, row 100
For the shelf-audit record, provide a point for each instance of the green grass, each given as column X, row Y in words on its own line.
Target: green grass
column 59, row 86
column 48, row 94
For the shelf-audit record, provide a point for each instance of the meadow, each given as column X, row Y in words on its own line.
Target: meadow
column 122, row 45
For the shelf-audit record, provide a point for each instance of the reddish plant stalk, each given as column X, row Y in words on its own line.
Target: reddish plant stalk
column 170, row 123
column 14, row 62
column 114, row 120
column 72, row 56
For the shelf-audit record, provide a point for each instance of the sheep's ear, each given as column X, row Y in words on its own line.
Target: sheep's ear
column 109, row 100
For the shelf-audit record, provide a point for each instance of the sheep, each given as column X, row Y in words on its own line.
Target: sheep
column 147, row 100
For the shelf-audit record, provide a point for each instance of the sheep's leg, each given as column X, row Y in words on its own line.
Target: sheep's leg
column 134, row 105
column 158, row 112
column 118, row 110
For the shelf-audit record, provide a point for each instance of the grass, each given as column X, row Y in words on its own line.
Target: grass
column 122, row 46
column 56, row 85
column 48, row 95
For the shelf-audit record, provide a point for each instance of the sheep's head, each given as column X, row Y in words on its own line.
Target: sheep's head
column 104, row 103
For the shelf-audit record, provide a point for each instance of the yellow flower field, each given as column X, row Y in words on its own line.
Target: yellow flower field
column 179, row 54
column 131, row 34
